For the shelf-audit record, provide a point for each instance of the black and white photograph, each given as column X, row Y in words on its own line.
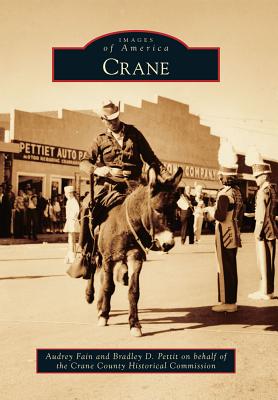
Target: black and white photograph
column 138, row 212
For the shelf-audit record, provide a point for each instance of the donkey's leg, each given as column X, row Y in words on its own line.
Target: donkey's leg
column 100, row 295
column 135, row 261
column 106, row 291
column 90, row 289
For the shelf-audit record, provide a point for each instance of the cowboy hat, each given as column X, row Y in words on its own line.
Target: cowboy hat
column 109, row 110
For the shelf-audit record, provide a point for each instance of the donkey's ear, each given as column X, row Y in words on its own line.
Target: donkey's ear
column 152, row 177
column 176, row 178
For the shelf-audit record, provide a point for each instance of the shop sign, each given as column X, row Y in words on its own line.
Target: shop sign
column 193, row 171
column 45, row 153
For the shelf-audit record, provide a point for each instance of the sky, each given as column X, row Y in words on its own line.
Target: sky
column 242, row 106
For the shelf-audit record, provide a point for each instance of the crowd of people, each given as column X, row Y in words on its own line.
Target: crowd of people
column 195, row 214
column 28, row 213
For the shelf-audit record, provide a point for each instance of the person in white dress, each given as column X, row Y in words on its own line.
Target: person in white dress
column 198, row 213
column 72, row 225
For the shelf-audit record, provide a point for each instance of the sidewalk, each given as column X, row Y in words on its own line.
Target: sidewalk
column 42, row 238
column 52, row 238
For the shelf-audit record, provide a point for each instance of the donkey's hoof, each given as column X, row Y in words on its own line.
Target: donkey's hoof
column 102, row 321
column 90, row 297
column 136, row 332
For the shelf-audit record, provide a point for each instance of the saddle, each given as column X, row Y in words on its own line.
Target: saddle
column 92, row 217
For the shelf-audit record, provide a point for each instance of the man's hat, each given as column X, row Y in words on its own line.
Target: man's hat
column 227, row 159
column 109, row 110
column 254, row 159
column 69, row 189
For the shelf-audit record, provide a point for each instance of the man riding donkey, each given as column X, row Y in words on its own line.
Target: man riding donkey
column 115, row 163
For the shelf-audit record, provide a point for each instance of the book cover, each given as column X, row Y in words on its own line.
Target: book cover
column 59, row 61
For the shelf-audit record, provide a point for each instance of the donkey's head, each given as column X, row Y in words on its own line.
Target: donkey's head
column 163, row 204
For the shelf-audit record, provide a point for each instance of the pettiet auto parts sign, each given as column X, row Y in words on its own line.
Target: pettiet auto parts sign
column 46, row 153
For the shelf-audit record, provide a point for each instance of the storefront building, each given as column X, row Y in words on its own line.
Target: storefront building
column 50, row 150
column 49, row 147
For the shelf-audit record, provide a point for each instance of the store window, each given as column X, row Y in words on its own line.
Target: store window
column 29, row 182
column 55, row 187
column 66, row 182
column 58, row 184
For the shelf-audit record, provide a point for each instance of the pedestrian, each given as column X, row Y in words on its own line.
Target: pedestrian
column 266, row 231
column 62, row 219
column 198, row 213
column 227, row 235
column 32, row 217
column 28, row 189
column 42, row 202
column 57, row 214
column 72, row 226
column 50, row 218
column 19, row 209
column 209, row 216
column 186, row 205
column 1, row 212
column 46, row 220
column 7, row 207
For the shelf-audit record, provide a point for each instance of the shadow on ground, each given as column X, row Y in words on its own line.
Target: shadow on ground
column 202, row 317
column 29, row 277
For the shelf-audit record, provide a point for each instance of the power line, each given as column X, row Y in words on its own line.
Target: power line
column 261, row 120
column 255, row 130
column 262, row 132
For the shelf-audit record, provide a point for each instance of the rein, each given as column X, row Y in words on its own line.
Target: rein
column 150, row 232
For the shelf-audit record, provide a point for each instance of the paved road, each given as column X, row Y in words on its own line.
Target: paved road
column 42, row 307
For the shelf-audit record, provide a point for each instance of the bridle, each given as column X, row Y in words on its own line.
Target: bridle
column 148, row 233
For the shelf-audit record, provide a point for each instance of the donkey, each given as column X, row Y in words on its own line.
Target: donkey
column 124, row 236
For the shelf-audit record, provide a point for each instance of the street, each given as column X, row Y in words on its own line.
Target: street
column 43, row 308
